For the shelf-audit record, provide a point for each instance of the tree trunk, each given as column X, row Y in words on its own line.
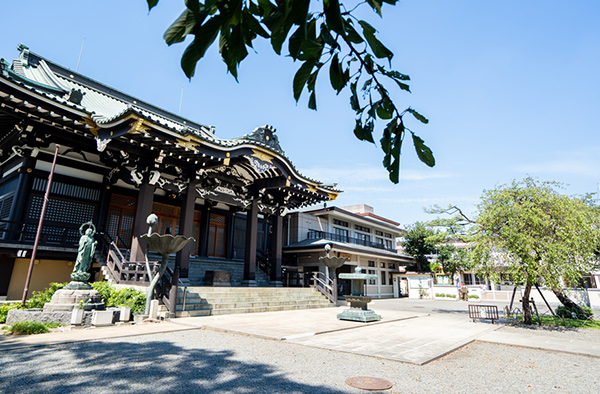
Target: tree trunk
column 567, row 302
column 525, row 301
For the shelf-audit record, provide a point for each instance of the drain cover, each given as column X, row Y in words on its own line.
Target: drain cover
column 368, row 383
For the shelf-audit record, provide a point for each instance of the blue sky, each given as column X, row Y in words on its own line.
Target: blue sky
column 511, row 88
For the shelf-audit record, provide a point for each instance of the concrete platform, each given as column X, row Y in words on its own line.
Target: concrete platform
column 412, row 331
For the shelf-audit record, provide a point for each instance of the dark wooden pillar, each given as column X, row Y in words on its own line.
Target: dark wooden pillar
column 204, row 227
column 277, row 250
column 186, row 226
column 250, row 253
column 18, row 207
column 140, row 227
column 103, row 205
column 230, row 235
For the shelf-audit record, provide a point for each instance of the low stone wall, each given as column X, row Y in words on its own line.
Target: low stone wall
column 63, row 317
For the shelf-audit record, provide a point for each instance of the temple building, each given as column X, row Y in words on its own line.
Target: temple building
column 366, row 240
column 120, row 159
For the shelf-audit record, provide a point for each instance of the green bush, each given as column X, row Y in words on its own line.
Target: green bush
column 4, row 308
column 567, row 313
column 451, row 295
column 39, row 298
column 28, row 328
column 474, row 297
column 105, row 290
column 441, row 295
column 130, row 297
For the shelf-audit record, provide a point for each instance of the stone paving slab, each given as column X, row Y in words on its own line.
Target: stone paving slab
column 416, row 341
column 290, row 324
column 537, row 341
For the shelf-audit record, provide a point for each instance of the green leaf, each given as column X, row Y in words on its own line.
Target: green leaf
column 364, row 132
column 379, row 50
column 354, row 103
column 312, row 101
column 255, row 25
column 299, row 11
column 327, row 37
column 310, row 50
column 183, row 26
column 418, row 116
column 333, row 15
column 385, row 109
column 336, row 76
column 352, row 34
column 205, row 36
column 301, row 77
column 423, row 152
column 151, row 4
column 376, row 5
column 193, row 5
column 233, row 50
column 296, row 40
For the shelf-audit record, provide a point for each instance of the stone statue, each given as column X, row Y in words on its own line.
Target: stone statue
column 87, row 247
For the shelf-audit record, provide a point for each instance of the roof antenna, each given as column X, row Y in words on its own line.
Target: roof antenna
column 180, row 100
column 80, row 51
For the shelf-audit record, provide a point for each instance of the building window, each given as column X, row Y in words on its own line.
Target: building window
column 341, row 234
column 392, row 266
column 363, row 239
column 371, row 264
column 388, row 235
column 379, row 241
column 379, row 233
column 362, row 228
column 388, row 244
column 340, row 223
column 381, row 265
column 372, row 272
column 383, row 275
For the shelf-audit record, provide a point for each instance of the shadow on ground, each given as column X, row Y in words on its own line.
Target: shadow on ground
column 158, row 367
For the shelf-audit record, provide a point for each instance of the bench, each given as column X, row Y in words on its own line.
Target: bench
column 483, row 312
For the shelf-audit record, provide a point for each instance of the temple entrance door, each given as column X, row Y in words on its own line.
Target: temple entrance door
column 217, row 230
column 168, row 221
column 121, row 214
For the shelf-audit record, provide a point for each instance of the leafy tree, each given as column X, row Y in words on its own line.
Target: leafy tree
column 452, row 259
column 328, row 34
column 537, row 235
column 419, row 242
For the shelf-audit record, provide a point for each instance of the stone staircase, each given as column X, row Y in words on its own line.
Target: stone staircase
column 207, row 301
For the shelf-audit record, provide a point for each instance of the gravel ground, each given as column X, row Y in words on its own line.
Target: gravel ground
column 202, row 361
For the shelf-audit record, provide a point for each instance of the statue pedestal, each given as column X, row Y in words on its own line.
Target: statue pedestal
column 67, row 299
column 358, row 310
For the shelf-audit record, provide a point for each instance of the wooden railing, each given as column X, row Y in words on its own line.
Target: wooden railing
column 65, row 235
column 122, row 270
column 325, row 286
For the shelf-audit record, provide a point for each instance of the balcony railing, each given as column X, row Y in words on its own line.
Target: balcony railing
column 313, row 234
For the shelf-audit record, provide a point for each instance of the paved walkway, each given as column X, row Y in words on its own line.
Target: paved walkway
column 413, row 331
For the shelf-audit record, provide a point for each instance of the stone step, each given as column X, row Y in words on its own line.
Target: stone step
column 255, row 304
column 203, row 301
column 199, row 299
column 228, row 311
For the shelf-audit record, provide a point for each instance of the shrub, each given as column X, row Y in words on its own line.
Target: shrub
column 105, row 290
column 4, row 308
column 451, row 295
column 441, row 295
column 130, row 297
column 28, row 328
column 39, row 298
column 474, row 297
column 568, row 313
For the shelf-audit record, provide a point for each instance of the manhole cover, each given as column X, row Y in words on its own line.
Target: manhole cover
column 368, row 383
